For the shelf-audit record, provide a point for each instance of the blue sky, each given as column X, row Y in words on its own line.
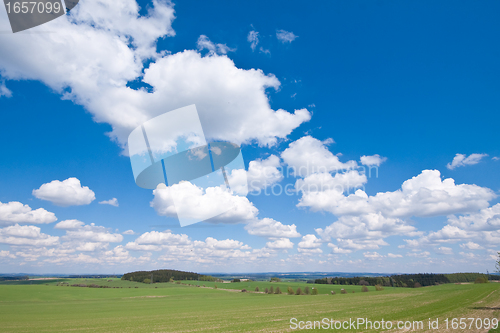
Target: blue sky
column 406, row 85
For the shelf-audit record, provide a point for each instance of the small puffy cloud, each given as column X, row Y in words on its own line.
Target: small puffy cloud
column 280, row 243
column 495, row 158
column 462, row 160
column 111, row 202
column 77, row 231
column 26, row 236
column 310, row 242
column 471, row 246
column 444, row 250
column 162, row 238
column 91, row 246
column 220, row 244
column 468, row 255
column 15, row 212
column 271, row 228
column 265, row 51
column 341, row 182
column 4, row 91
column 391, row 255
column 69, row 192
column 285, row 36
column 69, row 225
column 373, row 255
column 129, row 232
column 7, row 254
column 308, row 155
column 338, row 250
column 423, row 254
column 372, row 160
column 204, row 43
column 253, row 39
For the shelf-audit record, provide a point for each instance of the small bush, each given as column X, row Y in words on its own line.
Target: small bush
column 257, row 288
column 215, row 286
column 333, row 292
column 481, row 279
column 178, row 282
column 236, row 280
column 290, row 291
column 343, row 291
column 307, row 291
column 136, row 287
column 353, row 291
column 364, row 289
column 147, row 281
column 277, row 291
column 417, row 285
column 299, row 291
column 243, row 290
column 378, row 287
column 271, row 291
column 203, row 285
column 314, row 291
column 266, row 291
column 363, row 283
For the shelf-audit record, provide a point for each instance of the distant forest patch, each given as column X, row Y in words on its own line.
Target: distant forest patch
column 165, row 275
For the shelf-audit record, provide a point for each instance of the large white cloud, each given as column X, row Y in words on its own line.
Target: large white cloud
column 16, row 212
column 193, row 202
column 69, row 192
column 100, row 47
column 481, row 227
column 423, row 195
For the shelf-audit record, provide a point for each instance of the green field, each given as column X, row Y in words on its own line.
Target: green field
column 42, row 306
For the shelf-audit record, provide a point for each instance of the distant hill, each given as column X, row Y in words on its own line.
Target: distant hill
column 164, row 275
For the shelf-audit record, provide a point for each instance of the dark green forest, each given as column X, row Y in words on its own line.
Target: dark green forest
column 165, row 275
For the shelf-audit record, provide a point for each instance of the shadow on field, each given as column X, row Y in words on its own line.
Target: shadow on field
column 484, row 308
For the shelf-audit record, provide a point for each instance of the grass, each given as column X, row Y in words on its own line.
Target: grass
column 46, row 307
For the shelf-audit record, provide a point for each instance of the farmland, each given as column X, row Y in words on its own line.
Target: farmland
column 43, row 306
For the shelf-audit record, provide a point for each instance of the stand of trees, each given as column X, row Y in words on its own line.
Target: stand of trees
column 408, row 280
column 14, row 278
column 166, row 275
column 357, row 280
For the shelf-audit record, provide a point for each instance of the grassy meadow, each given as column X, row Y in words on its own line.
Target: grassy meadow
column 43, row 306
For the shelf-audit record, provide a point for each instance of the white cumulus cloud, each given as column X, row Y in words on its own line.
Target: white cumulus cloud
column 462, row 160
column 15, row 212
column 69, row 192
column 285, row 36
column 111, row 202
column 372, row 160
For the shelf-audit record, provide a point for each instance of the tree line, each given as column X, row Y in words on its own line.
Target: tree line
column 407, row 280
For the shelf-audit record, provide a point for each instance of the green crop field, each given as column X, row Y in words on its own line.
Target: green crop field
column 45, row 306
